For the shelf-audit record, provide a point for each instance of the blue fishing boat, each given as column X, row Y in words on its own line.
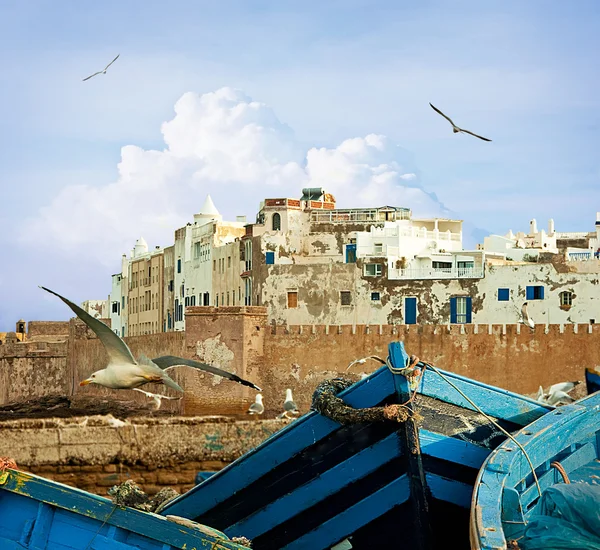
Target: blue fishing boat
column 39, row 514
column 543, row 485
column 386, row 483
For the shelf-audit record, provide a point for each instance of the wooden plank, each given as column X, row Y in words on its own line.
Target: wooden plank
column 356, row 467
column 495, row 402
column 449, row 490
column 7, row 544
column 279, row 448
column 41, row 527
column 409, row 435
column 355, row 517
column 86, row 505
column 452, row 449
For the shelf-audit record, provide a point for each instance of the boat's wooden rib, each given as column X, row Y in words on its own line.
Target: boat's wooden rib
column 506, row 492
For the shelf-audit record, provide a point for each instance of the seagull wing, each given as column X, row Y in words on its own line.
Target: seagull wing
column 562, row 386
column 290, row 406
column 112, row 62
column 150, row 367
column 116, row 349
column 524, row 311
column 88, row 77
column 168, row 361
column 480, row 137
column 256, row 408
column 440, row 112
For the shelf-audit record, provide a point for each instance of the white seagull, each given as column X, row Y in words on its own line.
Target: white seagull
column 103, row 71
column 123, row 372
column 289, row 407
column 524, row 316
column 557, row 393
column 257, row 407
column 455, row 128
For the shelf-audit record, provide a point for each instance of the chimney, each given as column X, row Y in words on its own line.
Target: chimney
column 550, row 226
column 532, row 227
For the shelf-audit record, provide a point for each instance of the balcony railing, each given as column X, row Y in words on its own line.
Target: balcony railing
column 580, row 256
column 439, row 273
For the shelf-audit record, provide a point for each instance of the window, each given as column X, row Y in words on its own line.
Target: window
column 197, row 250
column 534, row 293
column 378, row 248
column 292, row 299
column 372, row 270
column 193, row 300
column 122, row 302
column 176, row 310
column 441, row 265
column 345, row 298
column 375, row 297
column 228, row 262
column 115, row 308
column 187, row 301
column 351, row 253
column 276, row 222
column 217, row 300
column 566, row 299
column 227, row 297
column 460, row 309
column 214, row 265
column 179, row 265
column 503, row 294
column 270, row 258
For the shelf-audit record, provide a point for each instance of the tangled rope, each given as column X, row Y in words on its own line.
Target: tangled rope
column 7, row 462
column 326, row 402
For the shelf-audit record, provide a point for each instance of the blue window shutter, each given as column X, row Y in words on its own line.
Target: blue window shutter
column 529, row 293
column 541, row 293
column 270, row 258
column 503, row 294
column 469, row 302
column 453, row 310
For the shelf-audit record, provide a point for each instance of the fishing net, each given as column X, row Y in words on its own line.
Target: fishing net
column 129, row 494
column 326, row 402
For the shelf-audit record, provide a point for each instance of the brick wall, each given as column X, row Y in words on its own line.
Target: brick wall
column 39, row 329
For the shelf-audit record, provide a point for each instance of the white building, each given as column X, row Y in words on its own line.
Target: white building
column 96, row 308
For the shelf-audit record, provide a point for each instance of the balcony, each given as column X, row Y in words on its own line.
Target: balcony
column 437, row 273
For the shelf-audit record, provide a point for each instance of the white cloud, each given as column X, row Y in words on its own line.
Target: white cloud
column 234, row 148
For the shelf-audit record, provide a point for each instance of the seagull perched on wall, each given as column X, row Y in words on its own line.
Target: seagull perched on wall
column 257, row 407
column 524, row 316
column 455, row 128
column 103, row 71
column 289, row 407
column 123, row 372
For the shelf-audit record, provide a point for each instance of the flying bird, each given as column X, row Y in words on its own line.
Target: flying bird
column 455, row 128
column 103, row 71
column 123, row 372
column 257, row 407
column 289, row 407
column 524, row 316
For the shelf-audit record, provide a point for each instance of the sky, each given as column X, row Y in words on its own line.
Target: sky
column 248, row 99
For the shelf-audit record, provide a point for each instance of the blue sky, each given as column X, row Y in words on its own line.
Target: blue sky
column 522, row 73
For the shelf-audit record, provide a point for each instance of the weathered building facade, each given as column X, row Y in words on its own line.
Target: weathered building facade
column 308, row 262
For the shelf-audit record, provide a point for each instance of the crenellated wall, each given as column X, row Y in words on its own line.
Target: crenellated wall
column 238, row 339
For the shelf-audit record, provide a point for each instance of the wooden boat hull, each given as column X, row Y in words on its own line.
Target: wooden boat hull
column 37, row 513
column 407, row 485
column 506, row 492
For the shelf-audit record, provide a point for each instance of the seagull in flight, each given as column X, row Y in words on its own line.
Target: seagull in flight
column 455, row 128
column 103, row 71
column 123, row 372
column 524, row 316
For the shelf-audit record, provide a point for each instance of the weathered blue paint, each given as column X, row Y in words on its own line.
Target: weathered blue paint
column 451, row 449
column 592, row 380
column 372, row 507
column 40, row 514
column 449, row 490
column 505, row 488
column 357, row 467
column 493, row 401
